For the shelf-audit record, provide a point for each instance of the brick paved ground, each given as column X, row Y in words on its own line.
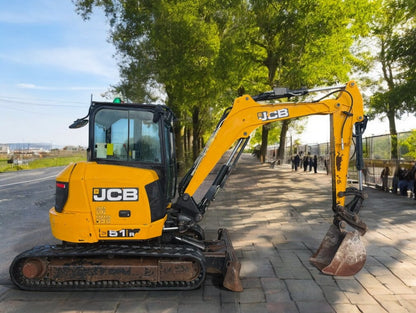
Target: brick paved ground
column 277, row 219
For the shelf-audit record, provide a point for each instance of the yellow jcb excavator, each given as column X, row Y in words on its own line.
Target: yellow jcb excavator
column 122, row 226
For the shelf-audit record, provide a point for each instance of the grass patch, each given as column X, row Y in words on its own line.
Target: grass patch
column 43, row 162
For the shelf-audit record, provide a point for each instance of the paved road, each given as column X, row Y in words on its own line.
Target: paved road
column 25, row 199
column 277, row 219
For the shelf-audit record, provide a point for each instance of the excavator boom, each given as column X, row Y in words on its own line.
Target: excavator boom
column 247, row 114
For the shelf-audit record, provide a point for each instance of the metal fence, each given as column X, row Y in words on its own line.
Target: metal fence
column 376, row 150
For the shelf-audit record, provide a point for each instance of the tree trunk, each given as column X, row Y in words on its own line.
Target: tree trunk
column 393, row 135
column 188, row 140
column 196, row 125
column 386, row 67
column 264, row 142
column 282, row 143
column 179, row 149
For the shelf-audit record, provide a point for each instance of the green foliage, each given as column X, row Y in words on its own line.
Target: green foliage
column 200, row 55
column 175, row 50
column 274, row 133
column 381, row 147
column 297, row 127
column 394, row 35
column 306, row 43
column 408, row 146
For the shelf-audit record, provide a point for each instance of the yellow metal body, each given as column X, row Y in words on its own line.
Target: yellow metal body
column 84, row 219
column 246, row 115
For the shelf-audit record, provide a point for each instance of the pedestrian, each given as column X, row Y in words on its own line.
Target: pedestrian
column 315, row 164
column 305, row 163
column 326, row 161
column 296, row 161
column 404, row 181
column 413, row 180
column 310, row 163
column 385, row 173
column 395, row 184
column 414, row 185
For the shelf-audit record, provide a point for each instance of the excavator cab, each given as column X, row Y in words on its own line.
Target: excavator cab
column 128, row 181
column 138, row 136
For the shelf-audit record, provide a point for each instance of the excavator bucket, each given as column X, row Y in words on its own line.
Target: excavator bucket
column 341, row 253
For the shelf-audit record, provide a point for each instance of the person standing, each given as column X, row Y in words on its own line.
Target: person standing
column 315, row 164
column 385, row 178
column 297, row 161
column 414, row 185
column 413, row 180
column 326, row 164
column 310, row 163
column 305, row 163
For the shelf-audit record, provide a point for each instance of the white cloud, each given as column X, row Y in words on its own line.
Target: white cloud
column 50, row 34
column 96, row 62
column 53, row 62
column 27, row 86
column 60, row 88
column 23, row 17
column 72, row 59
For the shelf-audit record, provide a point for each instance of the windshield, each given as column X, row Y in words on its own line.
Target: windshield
column 126, row 135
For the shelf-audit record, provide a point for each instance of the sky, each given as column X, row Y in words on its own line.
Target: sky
column 52, row 62
column 317, row 128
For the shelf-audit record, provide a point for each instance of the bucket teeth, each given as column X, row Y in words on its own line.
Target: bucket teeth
column 340, row 253
column 232, row 277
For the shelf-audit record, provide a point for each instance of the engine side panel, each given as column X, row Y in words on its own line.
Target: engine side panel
column 108, row 202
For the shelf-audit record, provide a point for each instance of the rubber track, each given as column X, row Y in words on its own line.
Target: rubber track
column 57, row 251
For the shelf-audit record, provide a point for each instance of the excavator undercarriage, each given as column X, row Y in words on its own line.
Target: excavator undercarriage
column 126, row 266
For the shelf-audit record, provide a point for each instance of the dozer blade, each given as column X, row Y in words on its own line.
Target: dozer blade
column 340, row 253
column 222, row 259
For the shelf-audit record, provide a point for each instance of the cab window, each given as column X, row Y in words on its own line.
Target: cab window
column 126, row 135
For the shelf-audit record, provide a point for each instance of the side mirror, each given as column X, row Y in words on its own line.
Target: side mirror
column 78, row 123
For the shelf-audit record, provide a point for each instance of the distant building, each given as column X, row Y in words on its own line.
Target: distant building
column 4, row 149
column 37, row 151
column 73, row 148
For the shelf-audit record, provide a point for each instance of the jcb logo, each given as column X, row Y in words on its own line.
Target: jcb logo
column 115, row 194
column 268, row 116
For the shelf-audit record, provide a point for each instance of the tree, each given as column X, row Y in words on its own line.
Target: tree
column 192, row 52
column 404, row 46
column 170, row 46
column 204, row 52
column 408, row 146
column 306, row 43
column 393, row 31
